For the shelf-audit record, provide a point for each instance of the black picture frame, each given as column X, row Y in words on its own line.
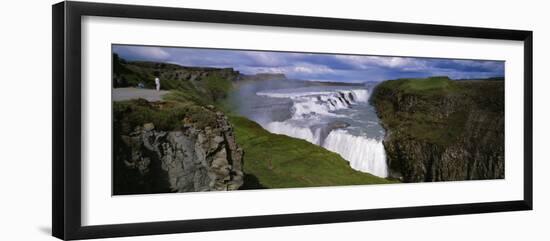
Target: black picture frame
column 66, row 47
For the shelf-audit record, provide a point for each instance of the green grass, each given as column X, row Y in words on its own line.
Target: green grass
column 217, row 87
column 213, row 93
column 431, row 85
column 166, row 116
column 210, row 89
column 428, row 84
column 279, row 161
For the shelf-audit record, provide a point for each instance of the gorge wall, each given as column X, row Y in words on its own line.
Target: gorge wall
column 442, row 130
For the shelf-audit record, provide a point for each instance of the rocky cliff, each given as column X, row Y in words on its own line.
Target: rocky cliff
column 197, row 153
column 442, row 130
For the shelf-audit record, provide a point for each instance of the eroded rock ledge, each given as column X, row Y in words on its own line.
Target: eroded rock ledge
column 186, row 159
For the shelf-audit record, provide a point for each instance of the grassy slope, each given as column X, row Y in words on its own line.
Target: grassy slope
column 279, row 161
column 209, row 91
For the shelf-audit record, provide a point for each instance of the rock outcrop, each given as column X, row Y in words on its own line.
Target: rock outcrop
column 186, row 159
column 455, row 132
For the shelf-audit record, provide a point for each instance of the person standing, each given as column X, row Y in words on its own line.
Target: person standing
column 157, row 83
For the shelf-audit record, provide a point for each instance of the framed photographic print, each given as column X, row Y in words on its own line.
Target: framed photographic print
column 170, row 120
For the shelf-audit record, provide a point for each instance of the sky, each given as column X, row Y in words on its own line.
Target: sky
column 314, row 66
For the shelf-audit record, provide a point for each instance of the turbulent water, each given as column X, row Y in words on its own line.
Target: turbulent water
column 336, row 117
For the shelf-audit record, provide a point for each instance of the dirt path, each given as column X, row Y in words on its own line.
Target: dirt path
column 120, row 94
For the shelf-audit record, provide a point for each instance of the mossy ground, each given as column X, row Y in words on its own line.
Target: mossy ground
column 171, row 115
column 426, row 86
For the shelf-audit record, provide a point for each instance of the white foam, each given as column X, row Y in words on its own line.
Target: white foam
column 364, row 154
column 309, row 103
column 361, row 95
column 291, row 95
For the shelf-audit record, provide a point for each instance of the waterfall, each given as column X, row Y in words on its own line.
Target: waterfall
column 310, row 109
column 315, row 103
column 364, row 154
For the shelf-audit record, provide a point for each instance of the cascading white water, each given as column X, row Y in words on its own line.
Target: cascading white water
column 364, row 154
column 310, row 108
column 306, row 104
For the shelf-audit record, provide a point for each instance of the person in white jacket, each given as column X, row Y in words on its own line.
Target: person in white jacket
column 157, row 83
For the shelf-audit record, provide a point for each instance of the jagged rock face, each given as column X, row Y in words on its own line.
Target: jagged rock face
column 475, row 151
column 184, row 160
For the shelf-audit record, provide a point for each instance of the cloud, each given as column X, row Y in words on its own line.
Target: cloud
column 310, row 66
column 366, row 62
column 156, row 53
column 265, row 58
column 142, row 52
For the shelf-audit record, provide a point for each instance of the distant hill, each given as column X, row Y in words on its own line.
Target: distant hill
column 498, row 78
column 263, row 76
column 333, row 83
